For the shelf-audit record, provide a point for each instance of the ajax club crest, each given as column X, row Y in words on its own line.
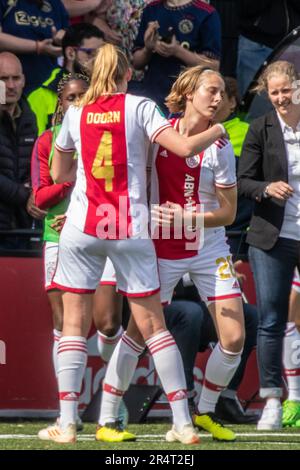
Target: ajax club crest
column 192, row 162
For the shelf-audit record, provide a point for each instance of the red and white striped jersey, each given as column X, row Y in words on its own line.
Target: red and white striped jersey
column 112, row 138
column 190, row 181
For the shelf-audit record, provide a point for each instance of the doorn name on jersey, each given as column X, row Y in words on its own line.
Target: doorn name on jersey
column 103, row 118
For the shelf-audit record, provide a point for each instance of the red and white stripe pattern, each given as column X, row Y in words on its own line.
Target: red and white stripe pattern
column 292, row 372
column 290, row 328
column 220, row 369
column 169, row 366
column 132, row 344
column 112, row 390
column 178, row 395
column 71, row 359
column 61, row 149
column 71, row 345
column 122, row 366
column 158, row 131
column 212, row 386
column 118, row 377
column 222, row 142
column 226, row 297
column 296, row 281
column 161, row 341
column 56, row 335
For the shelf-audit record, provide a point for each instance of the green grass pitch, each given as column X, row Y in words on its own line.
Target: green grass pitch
column 22, row 435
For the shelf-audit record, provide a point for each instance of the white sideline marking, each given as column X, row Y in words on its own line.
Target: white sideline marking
column 156, row 437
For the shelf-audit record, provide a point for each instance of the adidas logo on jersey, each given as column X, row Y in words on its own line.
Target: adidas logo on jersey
column 163, row 153
column 235, row 285
column 221, row 143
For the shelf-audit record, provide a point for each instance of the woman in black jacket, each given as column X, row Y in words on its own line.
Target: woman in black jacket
column 269, row 174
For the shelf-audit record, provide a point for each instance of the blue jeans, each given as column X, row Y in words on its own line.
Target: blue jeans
column 273, row 272
column 251, row 55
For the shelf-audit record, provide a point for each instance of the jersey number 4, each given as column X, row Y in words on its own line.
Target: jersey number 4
column 103, row 165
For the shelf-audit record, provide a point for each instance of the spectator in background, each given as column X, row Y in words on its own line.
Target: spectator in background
column 79, row 46
column 174, row 34
column 78, row 9
column 33, row 30
column 230, row 33
column 269, row 174
column 263, row 24
column 17, row 135
column 87, row 10
column 119, row 23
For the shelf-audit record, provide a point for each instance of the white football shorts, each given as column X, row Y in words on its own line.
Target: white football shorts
column 82, row 258
column 50, row 264
column 211, row 271
column 108, row 277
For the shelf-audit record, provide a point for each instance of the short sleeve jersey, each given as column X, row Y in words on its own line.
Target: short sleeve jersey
column 189, row 182
column 26, row 20
column 112, row 138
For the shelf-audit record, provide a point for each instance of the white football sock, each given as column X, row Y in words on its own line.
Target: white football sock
column 106, row 344
column 56, row 338
column 291, row 363
column 120, row 370
column 220, row 369
column 72, row 359
column 169, row 366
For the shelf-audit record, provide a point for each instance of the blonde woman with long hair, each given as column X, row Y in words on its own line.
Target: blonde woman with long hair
column 269, row 174
column 111, row 133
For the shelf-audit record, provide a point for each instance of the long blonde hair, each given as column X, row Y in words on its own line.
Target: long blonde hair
column 280, row 67
column 110, row 67
column 186, row 84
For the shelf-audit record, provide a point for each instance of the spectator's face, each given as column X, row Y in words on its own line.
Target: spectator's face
column 226, row 108
column 72, row 92
column 208, row 97
column 85, row 55
column 11, row 74
column 280, row 93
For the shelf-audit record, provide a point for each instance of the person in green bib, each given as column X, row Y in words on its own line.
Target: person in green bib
column 52, row 197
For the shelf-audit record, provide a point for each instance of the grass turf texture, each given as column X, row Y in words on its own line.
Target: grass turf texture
column 150, row 437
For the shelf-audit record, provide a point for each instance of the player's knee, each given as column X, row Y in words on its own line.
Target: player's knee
column 110, row 330
column 235, row 342
column 108, row 324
